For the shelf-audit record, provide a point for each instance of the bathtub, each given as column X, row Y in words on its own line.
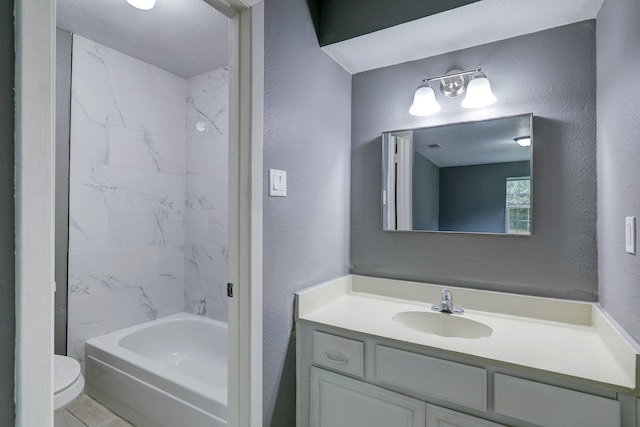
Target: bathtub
column 168, row 372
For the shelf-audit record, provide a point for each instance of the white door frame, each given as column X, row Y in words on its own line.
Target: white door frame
column 34, row 176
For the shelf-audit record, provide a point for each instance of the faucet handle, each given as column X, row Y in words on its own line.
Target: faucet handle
column 446, row 305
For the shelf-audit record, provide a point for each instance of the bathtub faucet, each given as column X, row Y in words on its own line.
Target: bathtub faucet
column 446, row 305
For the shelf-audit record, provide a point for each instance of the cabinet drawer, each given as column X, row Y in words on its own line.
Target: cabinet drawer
column 450, row 381
column 550, row 406
column 338, row 353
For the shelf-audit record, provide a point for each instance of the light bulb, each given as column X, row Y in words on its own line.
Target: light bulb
column 142, row 4
column 479, row 93
column 424, row 102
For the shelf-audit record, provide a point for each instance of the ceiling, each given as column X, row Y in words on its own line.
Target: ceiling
column 477, row 23
column 475, row 143
column 184, row 37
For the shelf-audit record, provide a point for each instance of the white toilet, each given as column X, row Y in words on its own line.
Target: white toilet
column 68, row 383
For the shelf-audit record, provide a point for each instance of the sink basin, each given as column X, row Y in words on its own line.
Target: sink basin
column 442, row 324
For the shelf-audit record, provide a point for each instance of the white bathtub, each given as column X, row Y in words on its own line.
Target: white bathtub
column 170, row 372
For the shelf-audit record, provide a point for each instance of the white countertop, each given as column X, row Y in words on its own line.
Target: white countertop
column 561, row 337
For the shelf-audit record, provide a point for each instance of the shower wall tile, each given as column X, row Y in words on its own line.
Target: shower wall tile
column 217, row 230
column 195, row 222
column 98, row 314
column 131, row 228
column 206, row 299
column 206, row 230
column 88, row 229
column 146, row 150
column 127, row 193
column 206, row 192
column 121, row 188
column 148, row 193
column 110, row 87
column 90, row 141
column 204, row 263
column 96, row 272
column 201, row 152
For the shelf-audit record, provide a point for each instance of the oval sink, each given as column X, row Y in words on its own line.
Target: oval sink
column 444, row 325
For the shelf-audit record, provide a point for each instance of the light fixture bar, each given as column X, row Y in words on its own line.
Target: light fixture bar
column 457, row 74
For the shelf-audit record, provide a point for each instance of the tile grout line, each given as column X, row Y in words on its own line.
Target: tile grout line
column 74, row 416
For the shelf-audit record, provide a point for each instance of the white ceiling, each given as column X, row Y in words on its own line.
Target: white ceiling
column 184, row 37
column 478, row 23
column 475, row 143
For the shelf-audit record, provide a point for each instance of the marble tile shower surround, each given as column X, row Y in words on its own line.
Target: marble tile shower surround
column 206, row 254
column 147, row 199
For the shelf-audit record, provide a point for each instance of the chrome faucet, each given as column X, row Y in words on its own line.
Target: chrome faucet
column 446, row 305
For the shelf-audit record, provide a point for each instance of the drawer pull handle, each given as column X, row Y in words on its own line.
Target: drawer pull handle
column 336, row 357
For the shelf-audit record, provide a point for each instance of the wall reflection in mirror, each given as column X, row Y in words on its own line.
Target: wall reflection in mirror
column 472, row 177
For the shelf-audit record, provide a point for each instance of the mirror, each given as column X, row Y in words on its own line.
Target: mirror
column 472, row 177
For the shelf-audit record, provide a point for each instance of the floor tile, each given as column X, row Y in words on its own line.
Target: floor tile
column 90, row 412
column 72, row 421
column 117, row 423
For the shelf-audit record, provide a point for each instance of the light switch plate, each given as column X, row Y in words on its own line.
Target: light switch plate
column 630, row 234
column 277, row 183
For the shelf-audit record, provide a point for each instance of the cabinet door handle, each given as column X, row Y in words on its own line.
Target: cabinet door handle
column 336, row 357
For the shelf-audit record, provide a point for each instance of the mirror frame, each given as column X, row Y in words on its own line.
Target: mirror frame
column 531, row 188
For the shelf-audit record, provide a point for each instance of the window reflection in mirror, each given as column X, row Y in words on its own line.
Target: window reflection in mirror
column 472, row 177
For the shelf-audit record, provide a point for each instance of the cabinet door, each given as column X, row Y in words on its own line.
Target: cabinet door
column 339, row 401
column 441, row 417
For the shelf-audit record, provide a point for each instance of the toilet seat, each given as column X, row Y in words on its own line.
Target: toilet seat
column 68, row 381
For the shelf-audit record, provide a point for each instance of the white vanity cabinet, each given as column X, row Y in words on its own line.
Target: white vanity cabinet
column 353, row 380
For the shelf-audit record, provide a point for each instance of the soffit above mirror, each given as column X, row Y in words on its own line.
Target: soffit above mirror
column 186, row 37
column 471, row 25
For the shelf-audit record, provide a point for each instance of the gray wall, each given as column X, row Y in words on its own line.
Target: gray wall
column 7, row 295
column 550, row 74
column 344, row 19
column 473, row 198
column 618, row 38
column 306, row 235
column 426, row 193
column 63, row 120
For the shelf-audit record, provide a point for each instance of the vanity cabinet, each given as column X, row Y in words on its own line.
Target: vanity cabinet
column 349, row 379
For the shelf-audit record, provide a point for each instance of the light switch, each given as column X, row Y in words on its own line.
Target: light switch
column 277, row 183
column 630, row 234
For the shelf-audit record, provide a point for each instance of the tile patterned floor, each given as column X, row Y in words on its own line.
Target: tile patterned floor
column 86, row 412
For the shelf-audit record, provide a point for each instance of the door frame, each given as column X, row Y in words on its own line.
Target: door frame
column 35, row 24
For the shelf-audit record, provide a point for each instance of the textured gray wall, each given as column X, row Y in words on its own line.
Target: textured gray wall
column 344, row 19
column 7, row 295
column 307, row 124
column 550, row 74
column 63, row 122
column 473, row 198
column 426, row 193
column 618, row 38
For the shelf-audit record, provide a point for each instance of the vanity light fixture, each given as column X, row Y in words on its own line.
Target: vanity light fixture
column 523, row 141
column 424, row 101
column 142, row 4
column 452, row 84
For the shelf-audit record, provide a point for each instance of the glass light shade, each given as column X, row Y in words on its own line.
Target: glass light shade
column 424, row 102
column 142, row 4
column 523, row 141
column 479, row 94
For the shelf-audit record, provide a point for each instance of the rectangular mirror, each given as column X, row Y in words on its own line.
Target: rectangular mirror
column 472, row 177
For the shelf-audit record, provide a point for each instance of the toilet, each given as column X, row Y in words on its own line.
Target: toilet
column 68, row 383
